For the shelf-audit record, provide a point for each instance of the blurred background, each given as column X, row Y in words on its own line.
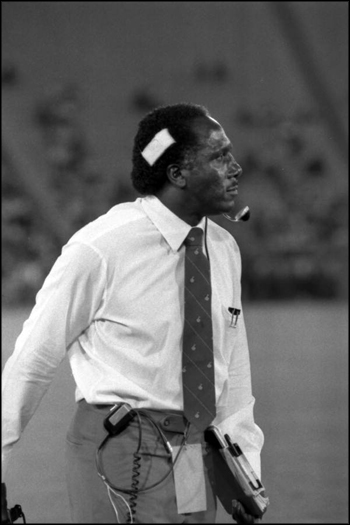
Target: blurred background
column 76, row 79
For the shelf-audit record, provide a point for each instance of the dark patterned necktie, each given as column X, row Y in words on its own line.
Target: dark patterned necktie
column 198, row 358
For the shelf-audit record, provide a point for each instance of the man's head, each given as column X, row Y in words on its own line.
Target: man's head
column 182, row 155
column 177, row 120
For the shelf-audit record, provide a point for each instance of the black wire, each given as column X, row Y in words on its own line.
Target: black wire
column 165, row 443
column 99, row 462
column 205, row 237
column 140, row 432
column 149, row 418
column 136, row 474
column 135, row 485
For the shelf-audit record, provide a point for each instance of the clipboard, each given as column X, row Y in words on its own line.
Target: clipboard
column 234, row 475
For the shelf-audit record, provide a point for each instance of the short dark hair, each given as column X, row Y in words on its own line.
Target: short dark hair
column 177, row 118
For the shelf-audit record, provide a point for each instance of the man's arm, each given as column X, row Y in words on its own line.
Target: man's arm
column 65, row 306
column 236, row 416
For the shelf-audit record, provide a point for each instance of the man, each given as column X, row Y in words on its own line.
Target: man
column 117, row 302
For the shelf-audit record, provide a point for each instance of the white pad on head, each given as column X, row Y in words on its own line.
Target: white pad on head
column 160, row 142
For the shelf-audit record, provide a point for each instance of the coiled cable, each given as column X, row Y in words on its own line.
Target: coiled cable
column 135, row 474
column 135, row 490
column 134, row 484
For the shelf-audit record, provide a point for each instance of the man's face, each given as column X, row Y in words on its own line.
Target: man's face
column 212, row 179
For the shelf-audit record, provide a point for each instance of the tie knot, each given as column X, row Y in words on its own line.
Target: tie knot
column 194, row 238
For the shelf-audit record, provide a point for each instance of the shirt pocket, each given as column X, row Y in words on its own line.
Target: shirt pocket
column 231, row 317
column 228, row 333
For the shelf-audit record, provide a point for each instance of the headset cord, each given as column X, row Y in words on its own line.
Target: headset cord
column 135, row 490
column 136, row 474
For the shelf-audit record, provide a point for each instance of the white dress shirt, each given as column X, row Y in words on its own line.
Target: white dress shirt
column 113, row 302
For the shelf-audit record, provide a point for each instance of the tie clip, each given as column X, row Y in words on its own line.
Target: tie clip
column 234, row 316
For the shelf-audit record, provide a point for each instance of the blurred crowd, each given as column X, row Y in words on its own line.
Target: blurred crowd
column 294, row 246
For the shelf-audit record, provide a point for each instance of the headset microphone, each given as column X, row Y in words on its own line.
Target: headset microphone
column 242, row 215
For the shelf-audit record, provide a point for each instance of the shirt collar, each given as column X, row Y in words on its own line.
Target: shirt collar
column 172, row 228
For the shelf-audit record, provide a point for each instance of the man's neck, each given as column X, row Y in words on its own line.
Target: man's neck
column 180, row 209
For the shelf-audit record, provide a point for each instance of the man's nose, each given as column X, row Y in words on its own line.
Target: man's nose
column 239, row 171
column 235, row 169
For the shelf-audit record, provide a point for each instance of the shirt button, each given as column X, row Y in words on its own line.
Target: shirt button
column 166, row 422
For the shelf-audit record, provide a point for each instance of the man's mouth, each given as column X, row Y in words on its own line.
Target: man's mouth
column 233, row 189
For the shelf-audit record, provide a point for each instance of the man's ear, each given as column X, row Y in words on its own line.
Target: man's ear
column 176, row 175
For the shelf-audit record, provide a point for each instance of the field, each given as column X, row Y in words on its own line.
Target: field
column 299, row 357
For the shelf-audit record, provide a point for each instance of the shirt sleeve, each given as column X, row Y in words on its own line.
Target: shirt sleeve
column 235, row 415
column 65, row 306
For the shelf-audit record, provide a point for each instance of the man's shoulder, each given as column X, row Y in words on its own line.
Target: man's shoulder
column 109, row 224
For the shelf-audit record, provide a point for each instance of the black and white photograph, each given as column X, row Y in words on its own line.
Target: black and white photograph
column 175, row 269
